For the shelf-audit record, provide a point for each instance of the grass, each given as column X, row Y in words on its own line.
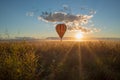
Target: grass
column 54, row 60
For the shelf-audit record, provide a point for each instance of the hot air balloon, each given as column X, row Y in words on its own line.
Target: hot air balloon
column 61, row 29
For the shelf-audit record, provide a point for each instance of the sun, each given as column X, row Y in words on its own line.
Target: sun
column 79, row 36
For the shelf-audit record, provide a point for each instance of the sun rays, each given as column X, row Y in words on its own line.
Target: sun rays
column 86, row 55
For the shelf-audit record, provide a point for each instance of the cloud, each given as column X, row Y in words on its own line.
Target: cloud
column 74, row 22
column 64, row 17
column 82, row 29
column 30, row 14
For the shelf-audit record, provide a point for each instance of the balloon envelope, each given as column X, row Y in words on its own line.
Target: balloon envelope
column 61, row 29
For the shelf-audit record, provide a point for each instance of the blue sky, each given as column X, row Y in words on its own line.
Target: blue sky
column 15, row 21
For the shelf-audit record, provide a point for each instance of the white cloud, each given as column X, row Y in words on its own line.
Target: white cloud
column 30, row 14
column 64, row 17
column 74, row 22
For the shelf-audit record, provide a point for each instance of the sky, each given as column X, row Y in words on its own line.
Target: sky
column 24, row 18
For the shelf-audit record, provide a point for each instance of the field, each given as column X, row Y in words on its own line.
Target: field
column 54, row 60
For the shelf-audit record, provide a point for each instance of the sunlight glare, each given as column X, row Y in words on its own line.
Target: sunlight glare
column 79, row 35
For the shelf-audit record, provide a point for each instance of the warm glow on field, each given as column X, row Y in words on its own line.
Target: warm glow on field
column 79, row 35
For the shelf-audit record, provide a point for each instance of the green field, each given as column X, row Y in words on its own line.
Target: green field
column 54, row 60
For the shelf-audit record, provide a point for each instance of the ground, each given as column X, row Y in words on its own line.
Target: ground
column 55, row 60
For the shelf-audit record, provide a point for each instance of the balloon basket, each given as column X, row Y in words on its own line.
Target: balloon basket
column 61, row 40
